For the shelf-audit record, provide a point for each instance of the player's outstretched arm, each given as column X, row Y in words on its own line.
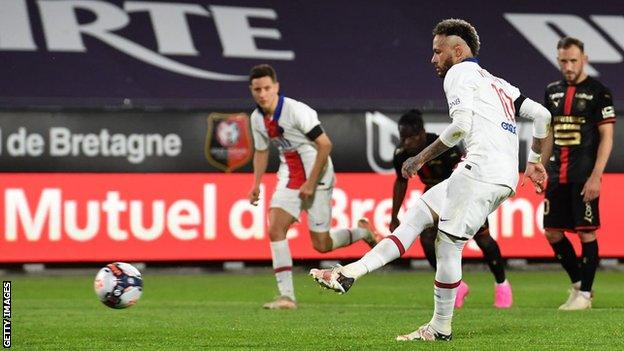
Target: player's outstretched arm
column 260, row 162
column 541, row 117
column 535, row 170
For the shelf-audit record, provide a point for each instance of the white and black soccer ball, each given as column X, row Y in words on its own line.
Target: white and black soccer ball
column 118, row 285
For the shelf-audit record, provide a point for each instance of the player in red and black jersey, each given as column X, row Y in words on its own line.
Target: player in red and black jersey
column 582, row 123
column 414, row 139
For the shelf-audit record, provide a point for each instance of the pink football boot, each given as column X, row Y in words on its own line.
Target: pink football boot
column 502, row 295
column 462, row 292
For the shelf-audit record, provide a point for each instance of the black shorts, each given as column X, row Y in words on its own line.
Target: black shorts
column 565, row 210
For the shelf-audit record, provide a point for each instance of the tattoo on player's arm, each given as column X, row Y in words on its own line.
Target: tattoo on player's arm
column 434, row 150
column 537, row 145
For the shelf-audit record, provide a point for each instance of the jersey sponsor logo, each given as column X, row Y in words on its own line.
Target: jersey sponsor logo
column 173, row 32
column 228, row 141
column 508, row 127
column 569, row 119
column 567, row 134
column 567, row 130
column 584, row 96
column 453, row 103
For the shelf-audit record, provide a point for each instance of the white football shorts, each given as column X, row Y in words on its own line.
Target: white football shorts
column 463, row 203
column 318, row 209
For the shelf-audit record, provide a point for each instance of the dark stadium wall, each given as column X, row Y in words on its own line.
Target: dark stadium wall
column 197, row 53
column 190, row 142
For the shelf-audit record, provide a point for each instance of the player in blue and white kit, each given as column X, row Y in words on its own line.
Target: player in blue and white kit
column 483, row 109
column 305, row 178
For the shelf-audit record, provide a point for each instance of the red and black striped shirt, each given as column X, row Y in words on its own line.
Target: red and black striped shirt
column 577, row 111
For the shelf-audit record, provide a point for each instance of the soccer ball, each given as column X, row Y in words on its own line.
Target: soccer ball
column 118, row 285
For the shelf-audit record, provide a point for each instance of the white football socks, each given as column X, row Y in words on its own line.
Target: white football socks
column 346, row 237
column 282, row 265
column 447, row 279
column 417, row 219
column 384, row 252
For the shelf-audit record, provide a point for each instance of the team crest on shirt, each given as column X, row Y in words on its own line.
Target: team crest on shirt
column 581, row 104
column 228, row 141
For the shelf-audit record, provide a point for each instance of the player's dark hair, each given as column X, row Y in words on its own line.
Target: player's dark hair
column 262, row 70
column 461, row 28
column 413, row 118
column 566, row 42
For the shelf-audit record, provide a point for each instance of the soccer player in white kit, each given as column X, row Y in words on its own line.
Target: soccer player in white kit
column 483, row 109
column 305, row 178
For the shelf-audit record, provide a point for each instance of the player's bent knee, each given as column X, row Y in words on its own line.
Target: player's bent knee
column 448, row 255
column 277, row 233
column 448, row 274
column 449, row 271
column 321, row 248
column 321, row 243
column 419, row 216
column 587, row 237
column 553, row 236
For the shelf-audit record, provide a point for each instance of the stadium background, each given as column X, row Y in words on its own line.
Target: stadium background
column 107, row 104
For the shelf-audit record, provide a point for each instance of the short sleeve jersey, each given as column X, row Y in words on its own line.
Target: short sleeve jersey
column 577, row 112
column 492, row 144
column 288, row 129
column 434, row 171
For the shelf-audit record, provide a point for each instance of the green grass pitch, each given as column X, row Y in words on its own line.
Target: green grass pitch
column 222, row 311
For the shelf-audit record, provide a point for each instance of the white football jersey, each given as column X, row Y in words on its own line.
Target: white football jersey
column 287, row 130
column 492, row 144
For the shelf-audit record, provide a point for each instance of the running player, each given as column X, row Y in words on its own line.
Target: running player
column 583, row 117
column 305, row 178
column 483, row 109
column 413, row 139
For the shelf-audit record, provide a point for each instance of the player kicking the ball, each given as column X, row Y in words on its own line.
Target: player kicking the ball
column 413, row 139
column 483, row 109
column 305, row 178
